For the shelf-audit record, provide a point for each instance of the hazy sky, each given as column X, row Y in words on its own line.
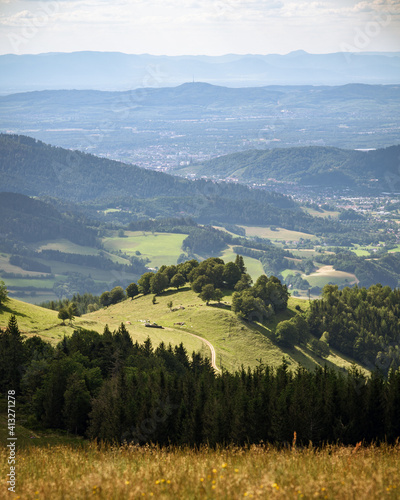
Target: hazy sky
column 210, row 27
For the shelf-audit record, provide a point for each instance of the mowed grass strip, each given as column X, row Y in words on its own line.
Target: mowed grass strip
column 106, row 472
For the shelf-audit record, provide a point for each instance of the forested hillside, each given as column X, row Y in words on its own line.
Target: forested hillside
column 29, row 220
column 323, row 166
column 33, row 168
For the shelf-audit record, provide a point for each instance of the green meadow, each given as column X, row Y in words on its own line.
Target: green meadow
column 237, row 342
column 159, row 248
column 278, row 234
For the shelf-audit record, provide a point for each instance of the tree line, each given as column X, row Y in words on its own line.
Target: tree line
column 106, row 387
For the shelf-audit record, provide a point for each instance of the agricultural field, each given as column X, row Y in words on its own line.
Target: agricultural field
column 278, row 234
column 86, row 470
column 326, row 274
column 66, row 246
column 159, row 248
column 324, row 213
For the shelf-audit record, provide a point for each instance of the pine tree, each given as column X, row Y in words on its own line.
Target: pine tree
column 12, row 356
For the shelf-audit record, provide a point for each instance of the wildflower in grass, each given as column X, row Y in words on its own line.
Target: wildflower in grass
column 224, row 465
column 236, row 470
column 168, row 481
column 127, row 482
column 213, row 487
column 214, row 471
column 202, row 479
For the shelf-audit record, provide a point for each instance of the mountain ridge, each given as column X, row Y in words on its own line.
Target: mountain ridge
column 116, row 70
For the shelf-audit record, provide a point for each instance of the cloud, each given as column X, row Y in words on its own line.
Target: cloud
column 391, row 6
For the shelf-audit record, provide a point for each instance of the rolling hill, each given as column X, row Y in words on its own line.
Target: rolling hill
column 33, row 168
column 30, row 167
column 321, row 166
column 236, row 342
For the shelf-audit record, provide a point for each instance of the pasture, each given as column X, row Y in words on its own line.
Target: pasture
column 237, row 342
column 278, row 234
column 159, row 248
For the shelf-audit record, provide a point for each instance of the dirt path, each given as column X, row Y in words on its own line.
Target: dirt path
column 213, row 354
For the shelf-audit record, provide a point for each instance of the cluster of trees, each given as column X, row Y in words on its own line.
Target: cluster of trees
column 214, row 271
column 109, row 388
column 116, row 295
column 205, row 241
column 260, row 301
column 69, row 311
column 362, row 323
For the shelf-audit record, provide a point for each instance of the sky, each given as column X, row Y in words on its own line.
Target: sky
column 204, row 27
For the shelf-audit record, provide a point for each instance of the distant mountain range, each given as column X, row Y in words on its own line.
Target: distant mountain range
column 118, row 71
column 317, row 166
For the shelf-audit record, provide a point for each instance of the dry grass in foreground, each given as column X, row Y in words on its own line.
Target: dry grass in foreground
column 65, row 472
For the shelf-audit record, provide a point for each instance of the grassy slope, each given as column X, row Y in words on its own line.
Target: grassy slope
column 236, row 342
column 160, row 248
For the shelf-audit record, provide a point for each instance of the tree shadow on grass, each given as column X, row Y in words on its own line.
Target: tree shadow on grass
column 298, row 355
column 173, row 291
column 220, row 305
column 4, row 308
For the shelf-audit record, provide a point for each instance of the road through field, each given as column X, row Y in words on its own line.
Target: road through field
column 213, row 354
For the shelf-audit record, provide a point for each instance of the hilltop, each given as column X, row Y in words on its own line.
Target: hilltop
column 236, row 342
